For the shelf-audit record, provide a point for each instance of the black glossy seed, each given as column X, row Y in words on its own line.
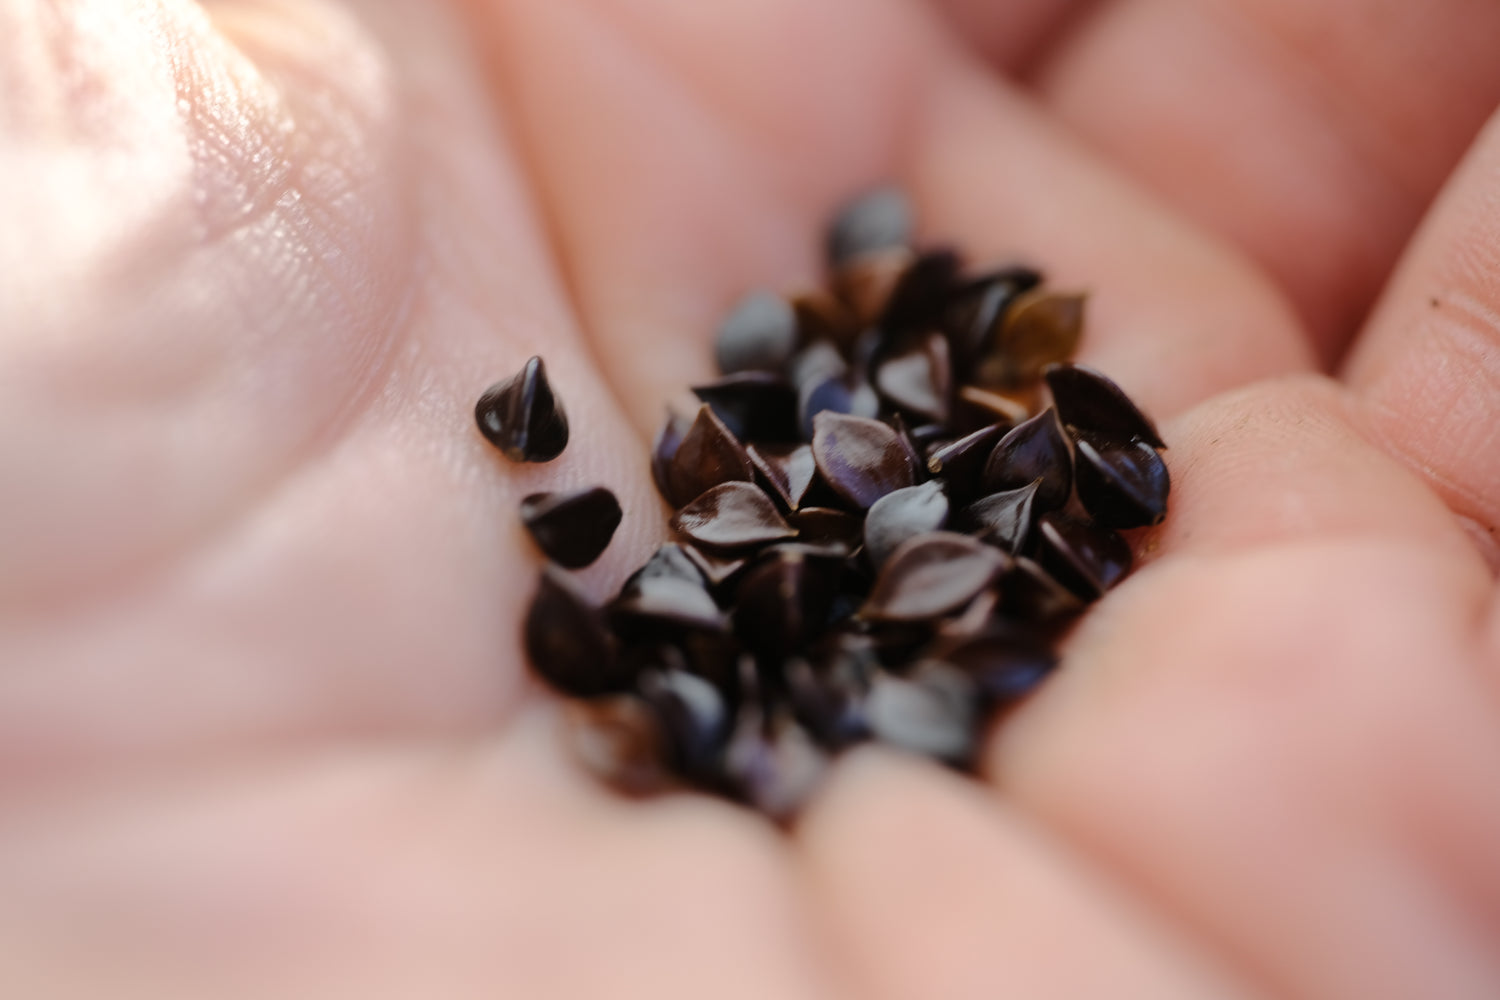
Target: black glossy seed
column 902, row 515
column 732, row 516
column 977, row 408
column 828, row 526
column 573, row 528
column 980, row 307
column 523, row 417
column 920, row 296
column 1085, row 557
column 1040, row 328
column 1034, row 449
column 652, row 607
column 934, row 712
column 773, row 764
column 754, row 406
column 861, row 459
column 961, row 463
column 839, row 394
column 867, row 283
column 718, row 570
column 669, row 560
column 829, row 699
column 619, row 740
column 664, row 449
column 1029, row 592
column 708, row 456
column 1088, row 400
column 1007, row 662
column 823, row 316
column 878, row 220
column 817, row 361
column 694, row 718
column 759, row 334
column 567, row 641
column 930, row 576
column 783, row 601
column 917, row 378
column 1122, row 485
column 786, row 470
column 1006, row 518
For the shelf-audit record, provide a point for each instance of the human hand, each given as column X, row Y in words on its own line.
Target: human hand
column 265, row 727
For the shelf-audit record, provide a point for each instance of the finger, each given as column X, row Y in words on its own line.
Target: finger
column 934, row 891
column 247, row 504
column 685, row 158
column 1427, row 369
column 1283, row 728
column 1312, row 135
column 1012, row 36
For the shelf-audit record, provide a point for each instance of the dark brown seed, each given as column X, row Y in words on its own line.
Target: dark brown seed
column 694, row 718
column 759, row 334
column 934, row 712
column 1086, row 558
column 732, row 516
column 861, row 459
column 1035, row 449
column 866, row 283
column 1004, row 519
column 980, row 307
column 829, row 700
column 787, row 470
column 878, row 220
column 716, row 569
column 823, row 316
column 754, row 406
column 619, row 740
column 814, row 363
column 918, row 378
column 828, row 526
column 918, row 300
column 567, row 641
column 1088, row 400
column 708, row 456
column 773, row 765
column 1041, row 328
column 1028, row 591
column 664, row 449
column 783, row 601
column 930, row 576
column 978, row 408
column 902, row 515
column 665, row 605
column 961, row 463
column 1122, row 485
column 670, row 560
column 1006, row 659
column 839, row 394
column 573, row 528
column 523, row 417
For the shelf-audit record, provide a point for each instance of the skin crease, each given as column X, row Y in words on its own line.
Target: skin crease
column 264, row 724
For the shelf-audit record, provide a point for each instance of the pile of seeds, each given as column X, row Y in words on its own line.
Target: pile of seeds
column 888, row 509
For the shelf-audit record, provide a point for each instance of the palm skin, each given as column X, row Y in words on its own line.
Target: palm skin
column 264, row 724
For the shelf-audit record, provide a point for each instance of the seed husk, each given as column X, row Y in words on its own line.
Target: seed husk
column 902, row 515
column 787, row 471
column 934, row 712
column 664, row 605
column 759, row 334
column 881, row 219
column 772, row 764
column 567, row 641
column 523, row 417
column 694, row 718
column 1030, row 592
column 664, row 449
column 828, row 526
column 707, row 457
column 753, row 405
column 1004, row 519
column 918, row 378
column 931, row 575
column 1090, row 401
column 572, row 528
column 1041, row 328
column 732, row 516
column 1036, row 449
column 961, row 462
column 861, row 459
column 845, row 395
column 1122, row 485
column 1085, row 557
column 783, row 601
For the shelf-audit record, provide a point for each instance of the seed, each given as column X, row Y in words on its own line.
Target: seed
column 773, row 765
column 844, row 395
column 664, row 606
column 619, row 741
column 759, row 334
column 861, row 459
column 1005, row 661
column 784, row 601
column 694, row 718
column 918, row 378
column 1121, row 485
column 931, row 575
column 567, row 641
column 868, row 282
column 716, row 569
column 1040, row 329
column 708, row 456
column 732, row 516
column 1034, row 450
column 902, row 515
column 828, row 526
column 670, row 560
column 986, row 406
column 1088, row 400
column 574, row 528
column 664, row 450
column 1004, row 519
column 961, row 463
column 934, row 712
column 1086, row 558
column 823, row 316
column 523, row 417
column 1029, row 591
column 788, row 470
column 981, row 305
column 829, row 700
column 878, row 220
column 753, row 406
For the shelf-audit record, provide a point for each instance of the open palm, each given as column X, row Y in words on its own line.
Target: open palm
column 265, row 727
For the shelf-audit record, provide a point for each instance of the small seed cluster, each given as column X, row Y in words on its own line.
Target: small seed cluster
column 892, row 503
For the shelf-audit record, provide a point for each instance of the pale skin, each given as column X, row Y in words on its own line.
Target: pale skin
column 265, row 728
